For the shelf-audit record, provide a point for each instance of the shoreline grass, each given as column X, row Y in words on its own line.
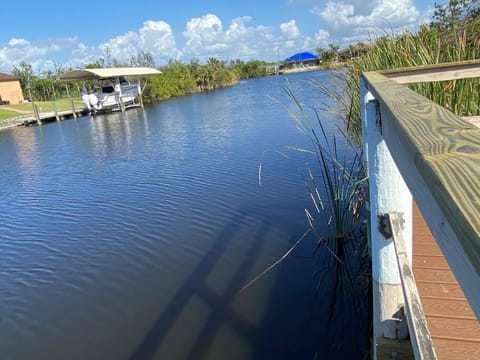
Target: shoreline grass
column 6, row 114
column 427, row 47
column 26, row 109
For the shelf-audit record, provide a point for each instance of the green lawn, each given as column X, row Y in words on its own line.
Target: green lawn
column 45, row 106
column 7, row 114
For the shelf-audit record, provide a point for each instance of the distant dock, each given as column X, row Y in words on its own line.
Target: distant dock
column 43, row 117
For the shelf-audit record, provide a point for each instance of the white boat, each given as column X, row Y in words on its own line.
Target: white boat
column 116, row 92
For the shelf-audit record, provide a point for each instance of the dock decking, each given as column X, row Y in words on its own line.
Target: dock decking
column 453, row 326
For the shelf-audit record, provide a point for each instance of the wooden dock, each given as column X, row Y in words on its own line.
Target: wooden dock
column 43, row 117
column 453, row 327
column 423, row 276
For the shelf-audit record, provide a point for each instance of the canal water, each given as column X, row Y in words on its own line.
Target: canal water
column 129, row 235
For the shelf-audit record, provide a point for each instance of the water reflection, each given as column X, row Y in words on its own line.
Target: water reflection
column 129, row 235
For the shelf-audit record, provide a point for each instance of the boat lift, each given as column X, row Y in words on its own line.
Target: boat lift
column 116, row 92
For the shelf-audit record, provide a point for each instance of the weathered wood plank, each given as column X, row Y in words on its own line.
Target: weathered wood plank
column 427, row 260
column 438, row 155
column 447, row 307
column 431, row 250
column 439, row 275
column 435, row 289
column 422, row 344
column 460, row 329
column 451, row 349
column 437, row 72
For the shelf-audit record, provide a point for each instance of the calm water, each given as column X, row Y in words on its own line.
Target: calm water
column 129, row 235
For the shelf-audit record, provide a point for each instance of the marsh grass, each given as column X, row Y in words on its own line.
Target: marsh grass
column 391, row 51
column 336, row 184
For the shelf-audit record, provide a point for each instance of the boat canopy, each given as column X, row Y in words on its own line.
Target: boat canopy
column 104, row 73
column 304, row 56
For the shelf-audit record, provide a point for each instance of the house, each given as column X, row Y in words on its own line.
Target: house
column 10, row 90
column 302, row 60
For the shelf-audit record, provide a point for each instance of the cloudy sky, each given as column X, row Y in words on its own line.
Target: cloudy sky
column 73, row 33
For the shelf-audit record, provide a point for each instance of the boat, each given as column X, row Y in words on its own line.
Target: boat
column 115, row 91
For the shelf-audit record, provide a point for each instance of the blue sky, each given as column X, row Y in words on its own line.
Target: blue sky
column 72, row 33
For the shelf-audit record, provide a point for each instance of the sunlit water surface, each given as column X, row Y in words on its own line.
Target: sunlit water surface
column 129, row 235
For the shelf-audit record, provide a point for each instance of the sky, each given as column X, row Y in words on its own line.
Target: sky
column 49, row 33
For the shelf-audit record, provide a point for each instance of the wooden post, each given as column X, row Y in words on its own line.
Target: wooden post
column 74, row 114
column 437, row 153
column 55, row 110
column 365, row 98
column 140, row 92
column 72, row 103
column 36, row 113
column 388, row 193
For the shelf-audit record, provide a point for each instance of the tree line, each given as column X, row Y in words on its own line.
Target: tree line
column 177, row 78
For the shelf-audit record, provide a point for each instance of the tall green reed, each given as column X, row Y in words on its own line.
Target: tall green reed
column 337, row 185
column 426, row 47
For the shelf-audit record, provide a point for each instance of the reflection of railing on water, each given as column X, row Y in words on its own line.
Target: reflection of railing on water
column 420, row 149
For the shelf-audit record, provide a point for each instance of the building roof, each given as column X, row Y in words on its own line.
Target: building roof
column 303, row 56
column 7, row 77
column 104, row 73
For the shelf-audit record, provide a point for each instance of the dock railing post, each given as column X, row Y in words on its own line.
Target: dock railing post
column 55, row 110
column 72, row 104
column 140, row 95
column 36, row 113
column 74, row 113
column 388, row 193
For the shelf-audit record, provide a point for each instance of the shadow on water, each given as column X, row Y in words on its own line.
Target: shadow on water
column 220, row 233
column 344, row 280
column 301, row 322
column 224, row 309
column 195, row 285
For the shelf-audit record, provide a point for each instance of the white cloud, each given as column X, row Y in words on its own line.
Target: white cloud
column 340, row 22
column 351, row 20
column 155, row 37
column 290, row 30
column 38, row 53
column 207, row 37
column 322, row 38
column 18, row 42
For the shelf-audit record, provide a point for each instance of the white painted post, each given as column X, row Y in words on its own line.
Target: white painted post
column 365, row 97
column 388, row 193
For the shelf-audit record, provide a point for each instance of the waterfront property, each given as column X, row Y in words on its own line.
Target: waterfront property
column 301, row 62
column 417, row 151
column 115, row 92
column 10, row 90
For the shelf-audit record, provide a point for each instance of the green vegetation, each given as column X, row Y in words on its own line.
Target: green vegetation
column 62, row 104
column 178, row 78
column 7, row 114
column 452, row 36
column 338, row 192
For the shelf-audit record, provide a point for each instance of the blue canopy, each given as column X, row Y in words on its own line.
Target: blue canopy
column 303, row 56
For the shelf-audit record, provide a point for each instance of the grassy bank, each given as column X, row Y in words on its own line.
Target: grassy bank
column 7, row 114
column 47, row 106
column 26, row 109
column 431, row 45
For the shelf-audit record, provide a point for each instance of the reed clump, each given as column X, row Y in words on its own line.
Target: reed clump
column 430, row 45
column 336, row 183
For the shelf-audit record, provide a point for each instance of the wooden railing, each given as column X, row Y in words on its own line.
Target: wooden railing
column 418, row 148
